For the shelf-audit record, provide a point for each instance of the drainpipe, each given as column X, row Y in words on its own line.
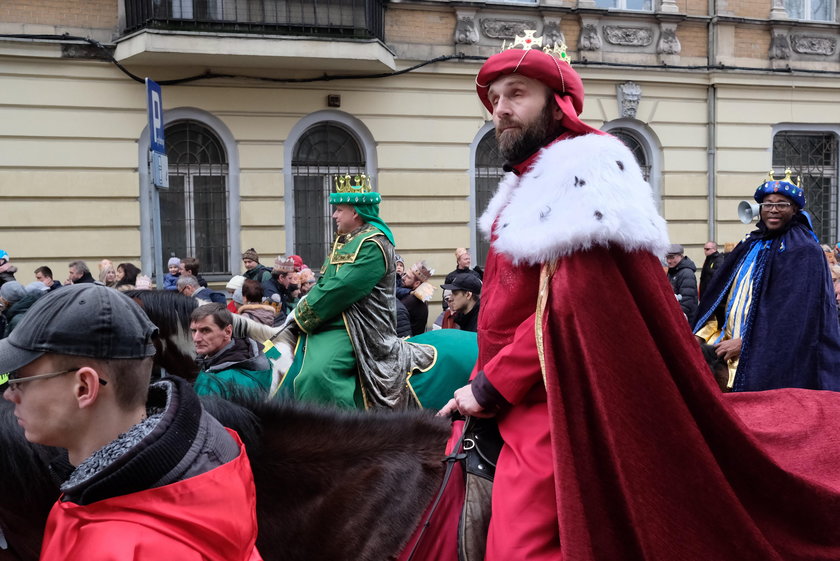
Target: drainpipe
column 711, row 104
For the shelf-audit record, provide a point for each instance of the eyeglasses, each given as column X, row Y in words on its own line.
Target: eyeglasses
column 15, row 380
column 776, row 206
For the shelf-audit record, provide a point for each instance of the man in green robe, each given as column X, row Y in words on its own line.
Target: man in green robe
column 348, row 353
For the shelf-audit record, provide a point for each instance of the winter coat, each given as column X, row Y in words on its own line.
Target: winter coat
column 403, row 320
column 260, row 273
column 684, row 282
column 236, row 367
column 175, row 486
column 16, row 311
column 261, row 313
column 170, row 281
column 710, row 267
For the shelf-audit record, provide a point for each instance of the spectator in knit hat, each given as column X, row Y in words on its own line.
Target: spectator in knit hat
column 234, row 285
column 170, row 279
column 253, row 269
column 298, row 261
column 16, row 301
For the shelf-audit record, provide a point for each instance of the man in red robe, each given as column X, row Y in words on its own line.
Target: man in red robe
column 617, row 442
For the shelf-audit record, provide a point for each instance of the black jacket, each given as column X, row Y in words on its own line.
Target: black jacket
column 468, row 321
column 710, row 267
column 419, row 313
column 684, row 282
column 403, row 320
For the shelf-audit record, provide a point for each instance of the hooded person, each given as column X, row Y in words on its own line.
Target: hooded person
column 618, row 444
column 349, row 353
column 7, row 270
column 773, row 294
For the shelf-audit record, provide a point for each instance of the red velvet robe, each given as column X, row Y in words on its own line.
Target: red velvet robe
column 652, row 461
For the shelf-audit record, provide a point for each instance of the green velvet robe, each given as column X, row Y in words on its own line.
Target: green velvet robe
column 349, row 354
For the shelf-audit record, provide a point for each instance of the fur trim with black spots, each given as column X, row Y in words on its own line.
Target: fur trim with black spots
column 583, row 192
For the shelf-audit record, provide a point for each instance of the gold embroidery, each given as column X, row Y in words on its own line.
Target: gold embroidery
column 343, row 240
column 306, row 317
column 546, row 272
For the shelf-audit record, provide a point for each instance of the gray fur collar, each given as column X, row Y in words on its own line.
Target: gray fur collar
column 583, row 192
column 114, row 450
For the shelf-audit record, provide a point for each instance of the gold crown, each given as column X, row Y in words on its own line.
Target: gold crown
column 356, row 184
column 787, row 179
column 528, row 41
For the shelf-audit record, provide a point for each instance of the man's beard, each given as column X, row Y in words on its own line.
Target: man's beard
column 515, row 145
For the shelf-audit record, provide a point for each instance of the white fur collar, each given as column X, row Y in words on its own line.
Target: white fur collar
column 582, row 192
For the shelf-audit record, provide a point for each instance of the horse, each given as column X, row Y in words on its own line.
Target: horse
column 170, row 311
column 331, row 484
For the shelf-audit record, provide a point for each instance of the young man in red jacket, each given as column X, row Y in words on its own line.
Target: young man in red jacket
column 148, row 473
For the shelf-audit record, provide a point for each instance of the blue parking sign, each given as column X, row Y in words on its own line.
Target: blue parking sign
column 154, row 102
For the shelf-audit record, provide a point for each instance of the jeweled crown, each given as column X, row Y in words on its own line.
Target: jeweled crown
column 527, row 41
column 784, row 186
column 356, row 184
column 787, row 179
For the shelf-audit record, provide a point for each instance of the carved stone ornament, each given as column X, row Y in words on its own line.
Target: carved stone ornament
column 628, row 36
column 668, row 43
column 465, row 31
column 779, row 46
column 629, row 95
column 806, row 45
column 505, row 29
column 589, row 38
column 552, row 36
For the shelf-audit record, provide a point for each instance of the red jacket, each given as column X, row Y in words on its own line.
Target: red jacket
column 211, row 516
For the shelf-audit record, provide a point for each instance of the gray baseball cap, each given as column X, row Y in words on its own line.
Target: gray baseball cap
column 87, row 320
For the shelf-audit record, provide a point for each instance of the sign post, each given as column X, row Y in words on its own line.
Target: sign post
column 158, row 171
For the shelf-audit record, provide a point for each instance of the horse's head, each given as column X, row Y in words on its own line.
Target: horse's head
column 26, row 487
column 170, row 312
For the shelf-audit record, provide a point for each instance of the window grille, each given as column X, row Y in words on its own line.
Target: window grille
column 637, row 147
column 194, row 210
column 488, row 173
column 813, row 158
column 324, row 151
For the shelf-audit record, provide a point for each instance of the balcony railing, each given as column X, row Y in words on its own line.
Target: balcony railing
column 356, row 19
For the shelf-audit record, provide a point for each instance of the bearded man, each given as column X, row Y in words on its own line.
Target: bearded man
column 348, row 353
column 617, row 442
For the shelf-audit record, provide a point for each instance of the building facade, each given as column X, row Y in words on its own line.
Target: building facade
column 265, row 101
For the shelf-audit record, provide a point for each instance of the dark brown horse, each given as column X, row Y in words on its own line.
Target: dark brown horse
column 332, row 485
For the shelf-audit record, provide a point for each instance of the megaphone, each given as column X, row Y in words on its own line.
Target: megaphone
column 747, row 211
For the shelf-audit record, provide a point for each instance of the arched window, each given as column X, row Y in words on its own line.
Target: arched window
column 488, row 173
column 637, row 146
column 324, row 150
column 194, row 210
column 646, row 148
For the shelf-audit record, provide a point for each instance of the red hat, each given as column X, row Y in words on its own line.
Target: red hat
column 298, row 262
column 555, row 73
